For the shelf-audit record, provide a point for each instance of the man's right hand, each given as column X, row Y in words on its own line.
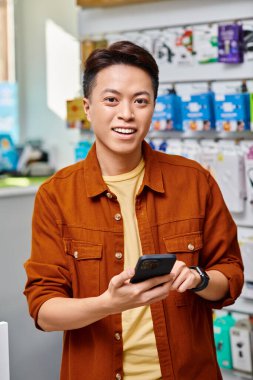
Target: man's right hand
column 59, row 313
column 122, row 295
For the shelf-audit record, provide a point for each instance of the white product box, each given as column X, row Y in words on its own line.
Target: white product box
column 184, row 47
column 241, row 345
column 230, row 175
column 4, row 352
column 245, row 238
column 205, row 43
column 164, row 45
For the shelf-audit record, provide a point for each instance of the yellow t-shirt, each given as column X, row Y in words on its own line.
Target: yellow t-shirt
column 140, row 357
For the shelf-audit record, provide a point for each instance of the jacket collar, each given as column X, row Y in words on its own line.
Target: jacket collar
column 95, row 184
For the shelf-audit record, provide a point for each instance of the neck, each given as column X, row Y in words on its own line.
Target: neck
column 112, row 164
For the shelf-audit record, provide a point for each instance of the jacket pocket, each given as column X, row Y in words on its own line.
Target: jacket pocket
column 81, row 250
column 85, row 263
column 186, row 247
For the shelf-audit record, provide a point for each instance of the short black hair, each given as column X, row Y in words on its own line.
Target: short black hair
column 122, row 52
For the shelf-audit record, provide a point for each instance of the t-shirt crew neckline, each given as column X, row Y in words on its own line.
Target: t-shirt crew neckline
column 126, row 176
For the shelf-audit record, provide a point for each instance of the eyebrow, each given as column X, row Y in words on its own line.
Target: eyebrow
column 118, row 93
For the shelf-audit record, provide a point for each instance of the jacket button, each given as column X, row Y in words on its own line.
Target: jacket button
column 117, row 217
column 117, row 336
column 118, row 376
column 109, row 195
column 118, row 255
column 75, row 255
column 191, row 247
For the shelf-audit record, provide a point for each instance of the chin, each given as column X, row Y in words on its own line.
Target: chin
column 127, row 150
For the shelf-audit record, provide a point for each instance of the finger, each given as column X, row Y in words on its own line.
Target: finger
column 187, row 284
column 180, row 279
column 156, row 281
column 178, row 267
column 157, row 293
column 119, row 280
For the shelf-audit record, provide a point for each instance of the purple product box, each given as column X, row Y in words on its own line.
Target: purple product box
column 230, row 43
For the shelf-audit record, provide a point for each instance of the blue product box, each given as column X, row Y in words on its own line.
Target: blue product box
column 232, row 112
column 159, row 144
column 8, row 154
column 251, row 111
column 82, row 150
column 9, row 110
column 167, row 113
column 222, row 328
column 198, row 112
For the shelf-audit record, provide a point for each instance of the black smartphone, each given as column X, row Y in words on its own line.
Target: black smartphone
column 149, row 266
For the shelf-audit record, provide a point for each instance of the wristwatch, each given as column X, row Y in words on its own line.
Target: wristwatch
column 204, row 279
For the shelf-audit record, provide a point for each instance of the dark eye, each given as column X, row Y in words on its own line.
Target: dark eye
column 110, row 99
column 141, row 101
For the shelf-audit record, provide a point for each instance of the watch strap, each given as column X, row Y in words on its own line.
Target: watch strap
column 204, row 279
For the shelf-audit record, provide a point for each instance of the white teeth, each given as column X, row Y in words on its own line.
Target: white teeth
column 124, row 130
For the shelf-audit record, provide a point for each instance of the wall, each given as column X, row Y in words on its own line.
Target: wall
column 34, row 22
column 160, row 14
column 34, row 355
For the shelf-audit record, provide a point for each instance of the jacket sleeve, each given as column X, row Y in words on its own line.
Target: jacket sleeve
column 221, row 250
column 47, row 271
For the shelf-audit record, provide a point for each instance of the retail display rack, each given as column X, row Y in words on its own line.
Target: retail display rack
column 97, row 23
column 109, row 3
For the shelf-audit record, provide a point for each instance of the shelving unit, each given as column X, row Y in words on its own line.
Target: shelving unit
column 96, row 23
column 242, row 305
column 234, row 375
column 207, row 72
column 108, row 3
column 200, row 135
column 160, row 14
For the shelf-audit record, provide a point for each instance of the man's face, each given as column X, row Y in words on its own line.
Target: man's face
column 120, row 109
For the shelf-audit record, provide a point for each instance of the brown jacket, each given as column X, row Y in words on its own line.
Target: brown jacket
column 75, row 246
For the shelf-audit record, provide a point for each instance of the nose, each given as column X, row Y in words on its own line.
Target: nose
column 125, row 111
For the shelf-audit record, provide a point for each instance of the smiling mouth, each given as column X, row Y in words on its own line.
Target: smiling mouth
column 124, row 131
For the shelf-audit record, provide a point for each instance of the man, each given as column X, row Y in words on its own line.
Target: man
column 94, row 219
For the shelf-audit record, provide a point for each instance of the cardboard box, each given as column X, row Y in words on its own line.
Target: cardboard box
column 167, row 113
column 205, row 43
column 241, row 345
column 197, row 112
column 232, row 112
column 251, row 111
column 230, row 43
column 222, row 328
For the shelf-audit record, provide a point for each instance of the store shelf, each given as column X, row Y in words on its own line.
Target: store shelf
column 234, row 375
column 15, row 186
column 170, row 73
column 242, row 305
column 198, row 135
column 159, row 14
column 109, row 3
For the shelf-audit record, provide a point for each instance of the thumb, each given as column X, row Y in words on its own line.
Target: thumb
column 119, row 280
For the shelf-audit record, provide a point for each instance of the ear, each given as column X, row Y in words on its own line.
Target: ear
column 86, row 107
